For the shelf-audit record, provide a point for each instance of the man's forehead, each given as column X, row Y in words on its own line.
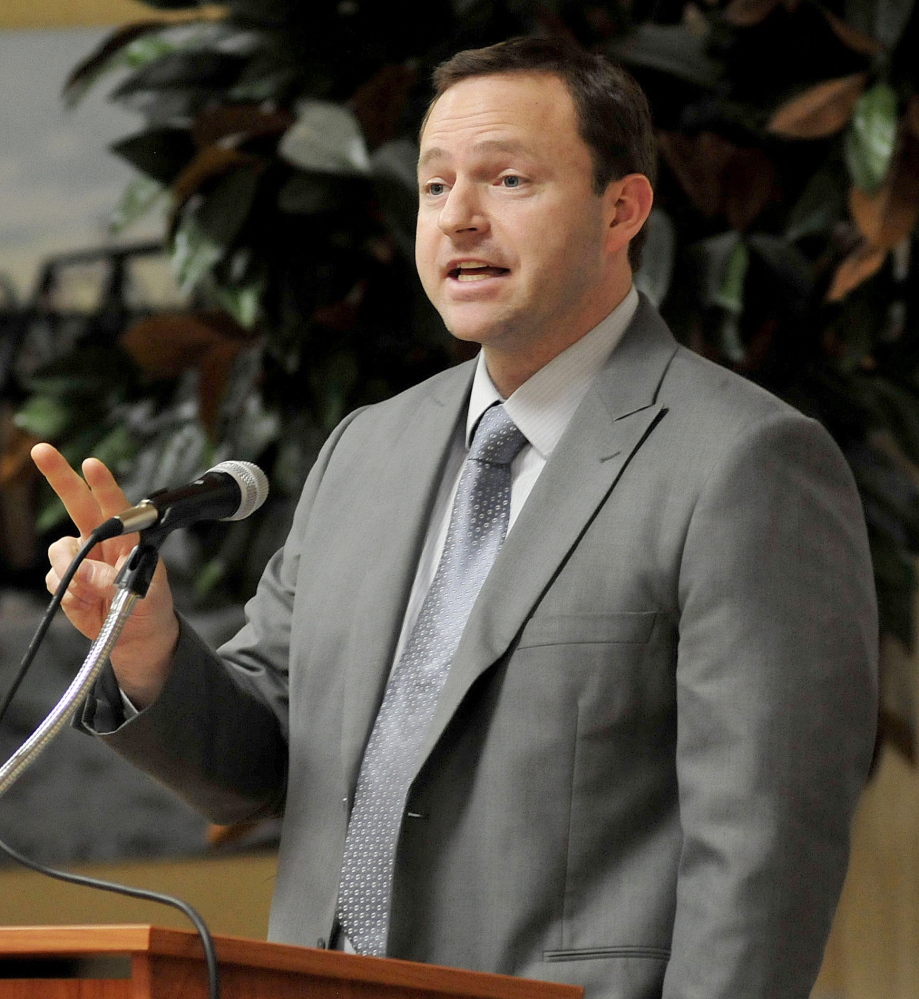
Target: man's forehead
column 495, row 113
column 483, row 147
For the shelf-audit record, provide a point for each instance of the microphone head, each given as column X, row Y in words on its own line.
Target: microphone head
column 252, row 482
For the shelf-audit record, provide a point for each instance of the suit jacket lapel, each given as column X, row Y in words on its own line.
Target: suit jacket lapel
column 409, row 474
column 616, row 416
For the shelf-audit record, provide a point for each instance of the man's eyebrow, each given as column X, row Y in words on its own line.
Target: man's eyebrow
column 484, row 146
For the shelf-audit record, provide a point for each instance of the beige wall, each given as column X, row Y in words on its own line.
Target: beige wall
column 874, row 948
column 233, row 895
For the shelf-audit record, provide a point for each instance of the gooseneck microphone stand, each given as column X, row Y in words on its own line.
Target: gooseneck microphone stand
column 131, row 584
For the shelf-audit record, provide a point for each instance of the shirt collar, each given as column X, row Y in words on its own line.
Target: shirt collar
column 543, row 405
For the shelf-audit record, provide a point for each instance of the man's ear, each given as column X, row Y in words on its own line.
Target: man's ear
column 628, row 205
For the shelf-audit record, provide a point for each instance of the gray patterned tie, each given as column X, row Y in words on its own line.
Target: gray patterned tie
column 478, row 524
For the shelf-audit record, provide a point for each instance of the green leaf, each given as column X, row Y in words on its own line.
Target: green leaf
column 821, row 205
column 50, row 515
column 160, row 153
column 653, row 277
column 149, row 48
column 332, row 382
column 194, row 253
column 723, row 262
column 396, row 186
column 138, row 198
column 203, row 237
column 871, row 137
column 242, row 301
column 670, row 48
column 730, row 291
column 86, row 371
column 326, row 138
column 732, row 346
column 312, row 194
column 264, row 85
column 181, row 69
column 890, row 20
column 134, row 46
column 900, row 410
column 882, row 19
column 225, row 209
column 211, row 575
column 785, row 260
column 45, row 416
column 116, row 447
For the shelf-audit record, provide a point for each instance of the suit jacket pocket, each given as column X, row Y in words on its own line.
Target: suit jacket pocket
column 629, row 627
column 594, row 953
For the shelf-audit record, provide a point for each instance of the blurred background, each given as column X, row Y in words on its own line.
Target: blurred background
column 206, row 246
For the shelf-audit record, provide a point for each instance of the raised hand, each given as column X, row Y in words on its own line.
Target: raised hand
column 143, row 655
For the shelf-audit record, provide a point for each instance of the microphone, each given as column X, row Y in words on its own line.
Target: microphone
column 228, row 491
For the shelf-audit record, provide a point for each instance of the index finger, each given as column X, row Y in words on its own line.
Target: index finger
column 77, row 497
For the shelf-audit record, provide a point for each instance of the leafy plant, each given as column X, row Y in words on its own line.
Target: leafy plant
column 280, row 140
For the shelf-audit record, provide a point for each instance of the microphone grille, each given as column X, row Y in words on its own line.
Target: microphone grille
column 252, row 482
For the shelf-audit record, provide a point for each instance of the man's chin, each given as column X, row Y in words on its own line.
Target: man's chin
column 475, row 329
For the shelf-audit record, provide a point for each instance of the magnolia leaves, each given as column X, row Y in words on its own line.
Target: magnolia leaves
column 888, row 215
column 825, row 109
column 326, row 138
column 165, row 346
column 878, row 147
column 871, row 137
column 868, row 27
column 820, row 111
column 880, row 153
column 719, row 177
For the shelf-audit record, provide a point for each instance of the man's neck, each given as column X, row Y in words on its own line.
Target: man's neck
column 509, row 368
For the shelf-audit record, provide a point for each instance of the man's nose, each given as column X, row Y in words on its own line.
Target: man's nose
column 462, row 211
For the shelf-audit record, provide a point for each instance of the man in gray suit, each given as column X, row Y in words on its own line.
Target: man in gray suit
column 640, row 767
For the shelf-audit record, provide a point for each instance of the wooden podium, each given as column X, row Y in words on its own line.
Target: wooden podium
column 149, row 962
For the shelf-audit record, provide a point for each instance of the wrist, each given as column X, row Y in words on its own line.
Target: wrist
column 142, row 672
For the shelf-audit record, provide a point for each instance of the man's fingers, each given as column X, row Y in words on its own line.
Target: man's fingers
column 74, row 493
column 105, row 489
column 93, row 580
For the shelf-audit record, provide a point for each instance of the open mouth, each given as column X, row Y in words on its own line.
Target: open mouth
column 476, row 272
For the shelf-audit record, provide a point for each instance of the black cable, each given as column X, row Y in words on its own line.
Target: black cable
column 210, row 954
column 110, row 529
column 88, row 545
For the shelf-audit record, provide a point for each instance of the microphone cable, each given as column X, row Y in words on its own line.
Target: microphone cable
column 45, row 623
column 101, row 533
column 207, row 942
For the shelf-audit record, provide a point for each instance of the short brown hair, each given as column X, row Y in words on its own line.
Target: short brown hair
column 612, row 111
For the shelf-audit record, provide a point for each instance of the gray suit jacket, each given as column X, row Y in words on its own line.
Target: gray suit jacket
column 642, row 771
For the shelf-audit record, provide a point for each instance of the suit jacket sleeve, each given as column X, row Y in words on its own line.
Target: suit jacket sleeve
column 217, row 735
column 776, row 706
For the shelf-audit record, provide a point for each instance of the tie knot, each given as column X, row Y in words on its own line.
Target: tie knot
column 496, row 440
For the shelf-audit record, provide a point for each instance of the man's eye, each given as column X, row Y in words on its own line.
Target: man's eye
column 511, row 180
column 436, row 189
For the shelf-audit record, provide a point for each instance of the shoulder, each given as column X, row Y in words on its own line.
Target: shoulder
column 447, row 389
column 714, row 418
column 719, row 399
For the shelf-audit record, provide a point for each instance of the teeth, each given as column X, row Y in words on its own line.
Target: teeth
column 474, row 270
